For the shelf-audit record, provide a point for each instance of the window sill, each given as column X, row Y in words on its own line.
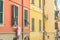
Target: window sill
column 1, row 24
column 14, row 26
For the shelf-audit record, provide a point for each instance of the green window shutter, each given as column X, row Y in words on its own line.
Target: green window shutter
column 12, row 21
column 56, row 25
column 1, row 6
column 56, row 14
column 1, row 11
column 39, row 3
column 16, row 14
column 39, row 25
column 32, row 1
column 32, row 24
column 26, row 17
column 1, row 18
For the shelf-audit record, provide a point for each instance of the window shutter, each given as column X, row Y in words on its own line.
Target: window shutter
column 12, row 16
column 32, row 1
column 39, row 3
column 39, row 25
column 1, row 6
column 16, row 14
column 1, row 11
column 56, row 14
column 1, row 18
column 56, row 25
column 32, row 24
column 26, row 17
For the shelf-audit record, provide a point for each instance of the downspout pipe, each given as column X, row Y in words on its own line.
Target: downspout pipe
column 43, row 21
column 22, row 19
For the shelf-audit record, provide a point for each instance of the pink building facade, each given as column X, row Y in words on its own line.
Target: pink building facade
column 14, row 13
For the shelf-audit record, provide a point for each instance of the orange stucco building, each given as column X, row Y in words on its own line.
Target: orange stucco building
column 14, row 13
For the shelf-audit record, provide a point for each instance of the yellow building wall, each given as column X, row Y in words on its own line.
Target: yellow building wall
column 36, row 13
column 49, row 23
column 36, row 35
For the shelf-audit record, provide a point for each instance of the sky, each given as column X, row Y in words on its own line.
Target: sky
column 58, row 3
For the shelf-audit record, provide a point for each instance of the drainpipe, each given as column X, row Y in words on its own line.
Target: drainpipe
column 43, row 21
column 57, row 19
column 22, row 19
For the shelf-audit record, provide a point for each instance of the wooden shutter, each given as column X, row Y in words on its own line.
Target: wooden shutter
column 39, row 3
column 39, row 25
column 32, row 1
column 56, row 14
column 12, row 21
column 1, row 12
column 26, row 17
column 16, row 14
column 56, row 25
column 32, row 24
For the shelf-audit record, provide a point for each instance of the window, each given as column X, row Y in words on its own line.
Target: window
column 26, row 17
column 39, row 25
column 56, row 25
column 56, row 14
column 32, row 1
column 26, row 38
column 14, row 15
column 39, row 3
column 33, row 24
column 1, row 11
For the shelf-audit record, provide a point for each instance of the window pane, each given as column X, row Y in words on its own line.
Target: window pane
column 32, row 24
column 1, row 6
column 1, row 18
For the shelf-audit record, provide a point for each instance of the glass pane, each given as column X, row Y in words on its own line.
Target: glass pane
column 1, row 6
column 1, row 18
